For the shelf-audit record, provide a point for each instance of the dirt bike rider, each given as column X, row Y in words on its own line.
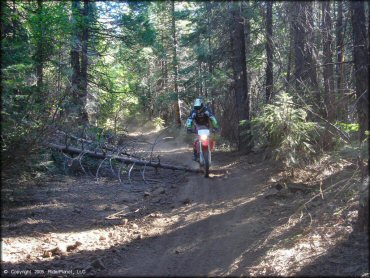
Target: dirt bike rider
column 202, row 117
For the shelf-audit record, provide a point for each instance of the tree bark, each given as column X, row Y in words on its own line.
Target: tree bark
column 328, row 70
column 39, row 50
column 305, row 74
column 342, row 99
column 298, row 41
column 310, row 75
column 269, row 52
column 78, row 62
column 291, row 43
column 288, row 71
column 84, row 59
column 361, row 60
column 14, row 22
column 75, row 49
column 240, row 78
column 247, row 33
column 209, row 57
column 84, row 46
column 175, row 67
column 3, row 26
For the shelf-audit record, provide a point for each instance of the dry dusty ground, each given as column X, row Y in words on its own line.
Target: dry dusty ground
column 239, row 222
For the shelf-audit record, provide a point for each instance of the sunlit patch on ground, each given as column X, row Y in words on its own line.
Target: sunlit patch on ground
column 194, row 213
column 29, row 248
column 143, row 133
column 214, row 174
column 177, row 150
column 290, row 255
column 318, row 171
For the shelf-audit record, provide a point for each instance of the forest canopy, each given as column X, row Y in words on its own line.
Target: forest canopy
column 77, row 65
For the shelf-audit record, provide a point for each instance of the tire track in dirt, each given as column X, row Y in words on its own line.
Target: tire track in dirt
column 217, row 222
column 197, row 227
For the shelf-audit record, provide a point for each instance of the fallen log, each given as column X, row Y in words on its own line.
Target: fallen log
column 100, row 155
column 104, row 146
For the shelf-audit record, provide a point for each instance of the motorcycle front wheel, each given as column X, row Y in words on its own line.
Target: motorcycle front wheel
column 206, row 164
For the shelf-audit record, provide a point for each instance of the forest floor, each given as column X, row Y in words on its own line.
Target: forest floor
column 241, row 221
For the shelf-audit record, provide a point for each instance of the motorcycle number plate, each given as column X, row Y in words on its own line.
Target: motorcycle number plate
column 203, row 132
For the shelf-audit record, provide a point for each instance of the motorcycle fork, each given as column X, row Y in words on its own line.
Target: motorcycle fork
column 201, row 158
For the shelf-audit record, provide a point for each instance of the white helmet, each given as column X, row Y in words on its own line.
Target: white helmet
column 198, row 104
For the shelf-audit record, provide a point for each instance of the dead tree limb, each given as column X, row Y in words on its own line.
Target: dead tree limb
column 128, row 160
column 119, row 150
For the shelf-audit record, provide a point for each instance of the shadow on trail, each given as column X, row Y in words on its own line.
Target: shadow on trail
column 348, row 258
column 75, row 204
column 209, row 252
column 197, row 244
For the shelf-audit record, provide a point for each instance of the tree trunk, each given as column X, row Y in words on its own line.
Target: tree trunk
column 291, row 42
column 310, row 66
column 175, row 68
column 247, row 33
column 14, row 21
column 78, row 62
column 209, row 57
column 2, row 15
column 75, row 57
column 298, row 41
column 39, row 50
column 84, row 59
column 240, row 78
column 361, row 60
column 269, row 52
column 289, row 64
column 305, row 74
column 328, row 71
column 342, row 99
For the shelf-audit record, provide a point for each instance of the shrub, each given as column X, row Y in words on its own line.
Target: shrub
column 158, row 122
column 284, row 128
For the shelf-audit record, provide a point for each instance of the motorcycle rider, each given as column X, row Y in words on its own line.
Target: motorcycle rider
column 203, row 118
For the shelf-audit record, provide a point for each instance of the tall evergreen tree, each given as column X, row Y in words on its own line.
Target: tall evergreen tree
column 269, row 52
column 328, row 71
column 175, row 66
column 240, row 76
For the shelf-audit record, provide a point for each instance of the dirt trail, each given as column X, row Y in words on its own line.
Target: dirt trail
column 230, row 224
column 211, row 234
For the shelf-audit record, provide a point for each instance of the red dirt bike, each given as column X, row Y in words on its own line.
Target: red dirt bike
column 204, row 146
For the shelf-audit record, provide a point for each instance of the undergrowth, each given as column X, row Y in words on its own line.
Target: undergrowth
column 284, row 129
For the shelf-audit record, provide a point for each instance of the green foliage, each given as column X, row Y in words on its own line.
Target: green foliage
column 158, row 122
column 348, row 127
column 222, row 144
column 136, row 24
column 246, row 135
column 284, row 128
